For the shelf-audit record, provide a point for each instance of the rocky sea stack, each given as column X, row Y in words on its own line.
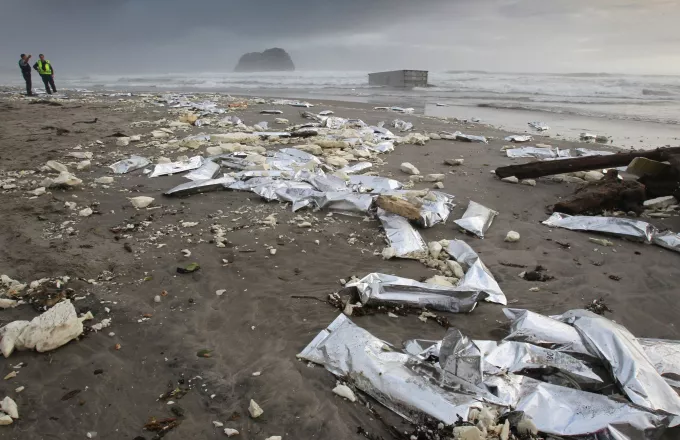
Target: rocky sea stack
column 271, row 60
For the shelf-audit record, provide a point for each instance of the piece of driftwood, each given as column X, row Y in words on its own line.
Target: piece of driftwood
column 399, row 206
column 609, row 194
column 550, row 167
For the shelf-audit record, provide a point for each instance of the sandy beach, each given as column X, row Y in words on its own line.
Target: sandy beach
column 120, row 258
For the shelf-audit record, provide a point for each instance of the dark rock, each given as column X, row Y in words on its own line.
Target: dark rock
column 271, row 60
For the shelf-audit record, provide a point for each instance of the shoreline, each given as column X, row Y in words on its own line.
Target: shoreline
column 623, row 133
column 257, row 325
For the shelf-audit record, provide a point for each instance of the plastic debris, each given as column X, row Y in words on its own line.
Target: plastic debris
column 231, row 432
column 519, row 138
column 126, row 165
column 477, row 219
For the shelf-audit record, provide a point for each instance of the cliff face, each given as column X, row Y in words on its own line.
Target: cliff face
column 271, row 60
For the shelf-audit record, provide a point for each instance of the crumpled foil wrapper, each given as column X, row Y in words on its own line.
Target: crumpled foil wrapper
column 515, row 357
column 477, row 219
column 477, row 276
column 393, row 378
column 163, row 169
column 620, row 227
column 200, row 186
column 126, row 165
column 541, row 330
column 402, row 237
column 208, row 170
column 356, row 168
column 380, row 289
column 344, row 202
column 436, row 209
column 563, row 411
column 301, row 156
column 667, row 239
column 627, row 360
column 373, row 184
column 664, row 354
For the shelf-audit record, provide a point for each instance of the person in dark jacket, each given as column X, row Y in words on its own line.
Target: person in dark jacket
column 46, row 71
column 26, row 72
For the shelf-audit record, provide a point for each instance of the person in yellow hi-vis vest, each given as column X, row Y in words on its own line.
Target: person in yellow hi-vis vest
column 46, row 71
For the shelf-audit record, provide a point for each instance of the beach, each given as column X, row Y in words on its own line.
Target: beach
column 120, row 258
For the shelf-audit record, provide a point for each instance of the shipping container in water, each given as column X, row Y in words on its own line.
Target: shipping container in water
column 399, row 78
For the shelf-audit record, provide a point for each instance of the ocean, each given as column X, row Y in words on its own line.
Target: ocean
column 632, row 109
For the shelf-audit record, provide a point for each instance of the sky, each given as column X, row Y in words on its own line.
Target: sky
column 166, row 36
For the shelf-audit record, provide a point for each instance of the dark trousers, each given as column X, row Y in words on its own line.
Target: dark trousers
column 49, row 81
column 29, row 83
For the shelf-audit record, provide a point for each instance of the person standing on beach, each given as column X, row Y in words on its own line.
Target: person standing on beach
column 26, row 71
column 44, row 68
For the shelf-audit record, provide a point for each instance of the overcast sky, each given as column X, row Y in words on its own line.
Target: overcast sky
column 149, row 36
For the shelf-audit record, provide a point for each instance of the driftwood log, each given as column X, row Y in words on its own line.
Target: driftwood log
column 609, row 194
column 550, row 167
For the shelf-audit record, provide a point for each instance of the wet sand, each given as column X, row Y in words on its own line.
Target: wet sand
column 256, row 326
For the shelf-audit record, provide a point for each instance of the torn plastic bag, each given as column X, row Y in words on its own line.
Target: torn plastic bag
column 519, row 138
column 163, row 169
column 459, row 356
column 208, row 170
column 620, row 227
column 385, row 373
column 423, row 348
column 627, row 361
column 404, row 240
column 299, row 195
column 538, row 153
column 356, row 168
column 515, row 357
column 477, row 219
column 667, row 239
column 271, row 190
column 544, row 331
column 200, row 186
column 301, row 156
column 664, row 354
column 327, row 183
column 380, row 289
column 539, row 126
column 374, row 184
column 458, row 136
column 563, row 411
column 477, row 276
column 436, row 209
column 249, row 184
column 273, row 174
column 278, row 163
column 344, row 201
column 131, row 164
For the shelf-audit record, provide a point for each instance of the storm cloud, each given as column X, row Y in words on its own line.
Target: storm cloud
column 165, row 36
